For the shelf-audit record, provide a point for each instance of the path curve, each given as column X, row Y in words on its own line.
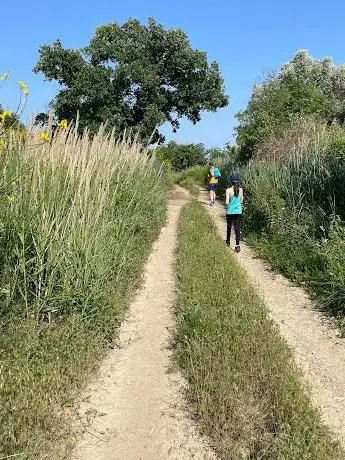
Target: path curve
column 319, row 350
column 135, row 405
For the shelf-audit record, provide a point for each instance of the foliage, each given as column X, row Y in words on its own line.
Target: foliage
column 159, row 154
column 190, row 184
column 197, row 173
column 182, row 156
column 295, row 195
column 72, row 248
column 303, row 87
column 243, row 384
column 10, row 121
column 133, row 76
column 222, row 154
column 42, row 119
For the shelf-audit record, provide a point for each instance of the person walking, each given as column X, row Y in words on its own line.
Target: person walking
column 234, row 210
column 213, row 179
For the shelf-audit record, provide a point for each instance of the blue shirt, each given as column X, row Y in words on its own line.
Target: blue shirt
column 234, row 206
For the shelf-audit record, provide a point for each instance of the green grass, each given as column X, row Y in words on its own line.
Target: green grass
column 192, row 178
column 197, row 173
column 77, row 221
column 244, row 387
column 296, row 212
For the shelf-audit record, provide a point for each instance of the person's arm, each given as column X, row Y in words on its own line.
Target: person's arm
column 241, row 195
column 227, row 196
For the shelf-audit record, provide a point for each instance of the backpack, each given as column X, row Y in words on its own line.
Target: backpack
column 217, row 173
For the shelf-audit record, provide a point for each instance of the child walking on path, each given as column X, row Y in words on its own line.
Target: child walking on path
column 234, row 204
column 213, row 177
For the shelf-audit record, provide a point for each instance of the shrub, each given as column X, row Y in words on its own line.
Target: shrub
column 294, row 193
column 197, row 173
column 182, row 156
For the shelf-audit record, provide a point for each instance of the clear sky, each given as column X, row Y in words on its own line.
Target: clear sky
column 246, row 37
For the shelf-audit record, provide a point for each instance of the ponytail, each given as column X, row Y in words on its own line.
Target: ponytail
column 236, row 189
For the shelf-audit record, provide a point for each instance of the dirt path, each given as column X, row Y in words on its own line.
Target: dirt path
column 135, row 405
column 318, row 349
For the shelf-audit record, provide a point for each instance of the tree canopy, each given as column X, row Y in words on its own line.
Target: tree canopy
column 304, row 87
column 182, row 156
column 133, row 75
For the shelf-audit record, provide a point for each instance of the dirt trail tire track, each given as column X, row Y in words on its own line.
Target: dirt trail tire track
column 135, row 404
column 319, row 350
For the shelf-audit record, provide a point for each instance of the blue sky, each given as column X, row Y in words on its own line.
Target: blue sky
column 247, row 38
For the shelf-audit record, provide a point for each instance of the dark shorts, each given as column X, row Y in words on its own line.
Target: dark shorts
column 212, row 187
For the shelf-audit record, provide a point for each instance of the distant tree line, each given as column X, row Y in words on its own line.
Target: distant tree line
column 183, row 156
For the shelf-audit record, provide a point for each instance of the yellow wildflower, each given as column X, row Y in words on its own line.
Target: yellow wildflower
column 4, row 77
column 14, row 183
column 26, row 176
column 2, row 143
column 63, row 124
column 24, row 88
column 5, row 114
column 10, row 198
column 44, row 137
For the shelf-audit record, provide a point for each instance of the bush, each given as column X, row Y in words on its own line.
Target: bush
column 293, row 197
column 78, row 217
column 182, row 156
column 197, row 173
column 337, row 148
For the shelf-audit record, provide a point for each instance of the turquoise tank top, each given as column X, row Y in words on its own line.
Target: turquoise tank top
column 234, row 206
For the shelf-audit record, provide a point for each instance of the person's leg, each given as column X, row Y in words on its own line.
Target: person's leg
column 237, row 218
column 212, row 194
column 241, row 231
column 228, row 228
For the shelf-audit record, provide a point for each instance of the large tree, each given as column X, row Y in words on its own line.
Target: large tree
column 133, row 76
column 304, row 87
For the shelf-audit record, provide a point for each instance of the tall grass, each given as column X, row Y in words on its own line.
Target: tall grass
column 296, row 193
column 198, row 173
column 192, row 178
column 243, row 384
column 78, row 216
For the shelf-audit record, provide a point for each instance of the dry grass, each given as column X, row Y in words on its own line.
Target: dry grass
column 299, row 138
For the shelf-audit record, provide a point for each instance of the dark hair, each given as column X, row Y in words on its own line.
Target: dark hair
column 236, row 188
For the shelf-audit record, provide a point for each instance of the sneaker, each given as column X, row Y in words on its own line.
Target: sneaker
column 237, row 249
